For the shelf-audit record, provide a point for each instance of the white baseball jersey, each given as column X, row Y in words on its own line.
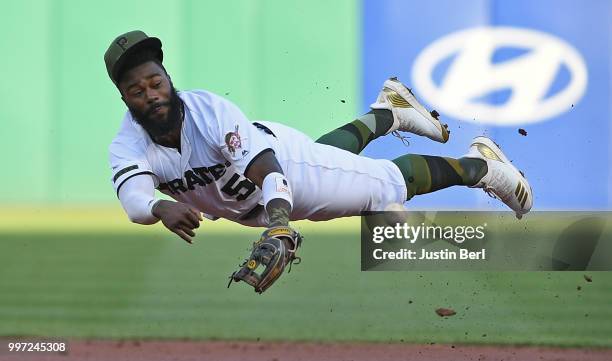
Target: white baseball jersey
column 218, row 144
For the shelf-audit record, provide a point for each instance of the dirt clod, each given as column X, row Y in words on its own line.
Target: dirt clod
column 445, row 312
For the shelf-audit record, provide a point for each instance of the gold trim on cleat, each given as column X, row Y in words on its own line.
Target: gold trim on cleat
column 524, row 196
column 396, row 100
column 523, row 202
column 487, row 152
column 521, row 194
column 445, row 133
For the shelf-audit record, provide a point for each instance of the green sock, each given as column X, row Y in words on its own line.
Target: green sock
column 355, row 135
column 426, row 174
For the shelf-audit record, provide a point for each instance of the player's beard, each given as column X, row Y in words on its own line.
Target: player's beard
column 159, row 128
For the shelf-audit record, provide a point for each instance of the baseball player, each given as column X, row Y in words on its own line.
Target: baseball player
column 202, row 151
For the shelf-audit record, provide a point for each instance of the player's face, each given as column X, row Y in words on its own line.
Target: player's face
column 150, row 97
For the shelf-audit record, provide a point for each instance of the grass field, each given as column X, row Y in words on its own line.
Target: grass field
column 124, row 283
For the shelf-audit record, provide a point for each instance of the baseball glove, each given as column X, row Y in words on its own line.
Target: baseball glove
column 270, row 255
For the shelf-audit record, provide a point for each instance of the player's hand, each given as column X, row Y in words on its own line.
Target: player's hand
column 178, row 217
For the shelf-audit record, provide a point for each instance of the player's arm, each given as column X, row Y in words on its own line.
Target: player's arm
column 137, row 196
column 277, row 246
column 135, row 182
column 251, row 150
column 267, row 174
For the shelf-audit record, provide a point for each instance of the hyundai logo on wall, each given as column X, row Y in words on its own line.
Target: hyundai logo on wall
column 500, row 75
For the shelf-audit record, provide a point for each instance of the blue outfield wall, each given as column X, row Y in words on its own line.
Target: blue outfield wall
column 493, row 67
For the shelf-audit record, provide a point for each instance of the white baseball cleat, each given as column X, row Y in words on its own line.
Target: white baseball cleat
column 408, row 114
column 503, row 180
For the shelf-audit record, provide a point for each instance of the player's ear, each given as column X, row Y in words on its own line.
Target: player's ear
column 120, row 93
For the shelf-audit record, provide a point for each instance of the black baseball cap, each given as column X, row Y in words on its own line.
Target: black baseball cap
column 124, row 45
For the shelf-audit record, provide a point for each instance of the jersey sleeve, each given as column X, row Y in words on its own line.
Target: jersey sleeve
column 127, row 156
column 239, row 140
